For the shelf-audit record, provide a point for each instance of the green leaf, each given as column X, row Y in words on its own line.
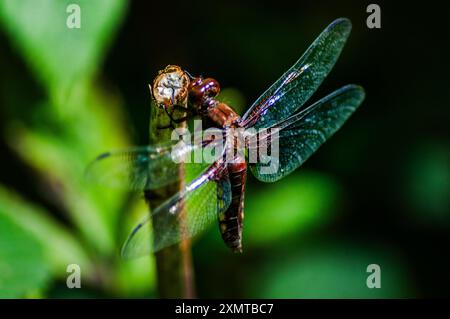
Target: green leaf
column 58, row 55
column 61, row 159
column 57, row 145
column 288, row 207
column 23, row 268
column 59, row 247
column 136, row 277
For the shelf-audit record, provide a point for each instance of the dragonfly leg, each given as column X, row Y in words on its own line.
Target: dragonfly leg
column 189, row 75
column 172, row 120
column 180, row 120
column 170, row 125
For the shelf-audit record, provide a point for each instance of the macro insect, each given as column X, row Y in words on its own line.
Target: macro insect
column 217, row 192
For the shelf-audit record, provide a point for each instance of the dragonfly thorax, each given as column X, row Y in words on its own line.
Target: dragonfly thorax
column 222, row 115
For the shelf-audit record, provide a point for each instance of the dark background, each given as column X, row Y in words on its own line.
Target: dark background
column 391, row 158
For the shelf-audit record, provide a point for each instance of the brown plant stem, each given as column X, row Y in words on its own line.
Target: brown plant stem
column 173, row 264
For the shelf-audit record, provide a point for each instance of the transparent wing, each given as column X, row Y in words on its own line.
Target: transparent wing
column 303, row 133
column 148, row 167
column 297, row 85
column 182, row 216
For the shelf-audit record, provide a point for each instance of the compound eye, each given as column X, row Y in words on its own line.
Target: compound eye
column 171, row 86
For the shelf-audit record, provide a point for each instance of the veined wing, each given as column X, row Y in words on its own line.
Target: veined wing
column 297, row 85
column 303, row 133
column 149, row 167
column 182, row 216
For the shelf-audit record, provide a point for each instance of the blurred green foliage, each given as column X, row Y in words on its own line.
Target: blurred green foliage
column 427, row 177
column 58, row 245
column 22, row 263
column 332, row 271
column 60, row 57
column 56, row 145
column 295, row 204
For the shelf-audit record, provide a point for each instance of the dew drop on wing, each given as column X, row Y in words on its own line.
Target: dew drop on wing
column 173, row 209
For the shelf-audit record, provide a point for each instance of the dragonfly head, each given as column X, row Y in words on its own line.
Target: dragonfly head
column 170, row 87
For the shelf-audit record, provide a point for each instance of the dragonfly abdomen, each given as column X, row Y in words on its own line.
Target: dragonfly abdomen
column 231, row 221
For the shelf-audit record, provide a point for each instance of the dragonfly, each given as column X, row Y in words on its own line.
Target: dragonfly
column 216, row 192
